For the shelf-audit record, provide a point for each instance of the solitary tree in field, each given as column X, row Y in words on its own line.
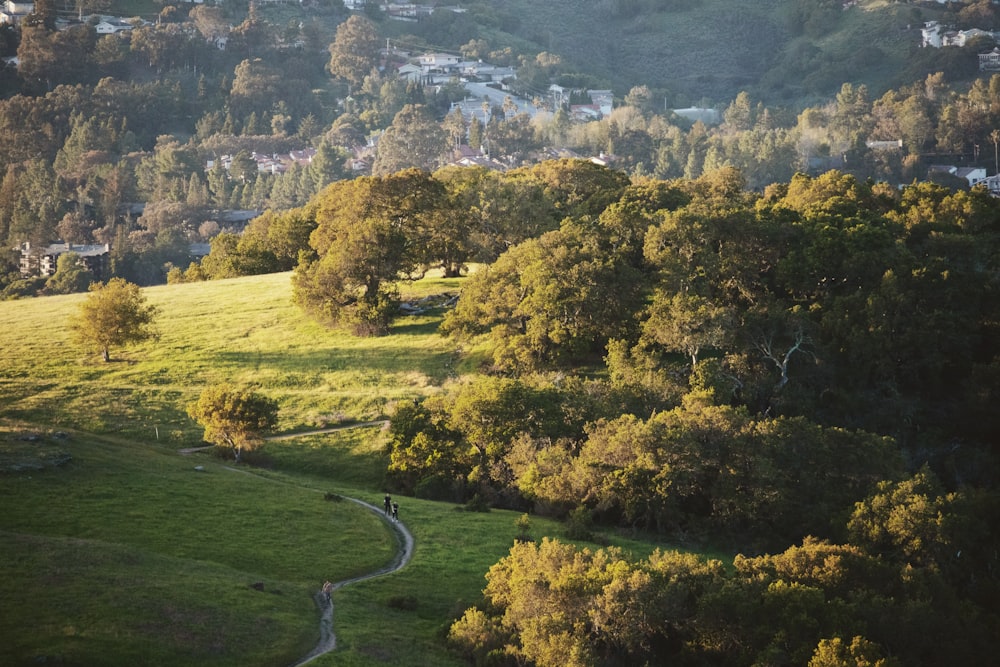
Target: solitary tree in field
column 115, row 314
column 234, row 417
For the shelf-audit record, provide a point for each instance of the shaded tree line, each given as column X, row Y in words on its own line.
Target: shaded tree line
column 913, row 582
column 749, row 355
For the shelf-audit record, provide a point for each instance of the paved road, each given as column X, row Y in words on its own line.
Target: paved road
column 497, row 97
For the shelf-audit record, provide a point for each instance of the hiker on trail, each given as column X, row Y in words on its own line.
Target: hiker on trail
column 388, row 503
column 395, row 511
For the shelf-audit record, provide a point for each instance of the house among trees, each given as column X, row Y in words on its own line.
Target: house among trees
column 990, row 61
column 110, row 25
column 971, row 175
column 438, row 63
column 43, row 262
column 273, row 163
column 14, row 11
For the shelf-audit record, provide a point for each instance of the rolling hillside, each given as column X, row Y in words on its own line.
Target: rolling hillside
column 715, row 48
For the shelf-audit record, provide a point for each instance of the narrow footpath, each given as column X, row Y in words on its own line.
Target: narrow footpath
column 404, row 541
column 328, row 640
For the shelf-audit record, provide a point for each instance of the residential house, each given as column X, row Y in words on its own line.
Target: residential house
column 43, row 261
column 963, row 37
column 467, row 156
column 971, row 175
column 705, row 115
column 892, row 145
column 585, row 112
column 14, row 11
column 604, row 100
column 438, row 62
column 990, row 61
column 603, row 159
column 932, row 35
column 109, row 25
column 410, row 72
column 992, row 184
column 473, row 108
column 274, row 163
column 481, row 71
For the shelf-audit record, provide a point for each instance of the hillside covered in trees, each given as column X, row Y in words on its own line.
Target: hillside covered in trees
column 142, row 139
column 772, row 335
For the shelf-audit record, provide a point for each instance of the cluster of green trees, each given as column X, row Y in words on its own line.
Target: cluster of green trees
column 912, row 584
column 755, row 369
column 135, row 116
column 856, row 305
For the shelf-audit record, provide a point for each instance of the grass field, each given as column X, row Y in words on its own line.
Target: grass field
column 117, row 551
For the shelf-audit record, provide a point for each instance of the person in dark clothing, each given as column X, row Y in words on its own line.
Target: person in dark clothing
column 388, row 504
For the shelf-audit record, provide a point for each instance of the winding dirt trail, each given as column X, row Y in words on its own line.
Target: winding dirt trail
column 323, row 598
column 328, row 640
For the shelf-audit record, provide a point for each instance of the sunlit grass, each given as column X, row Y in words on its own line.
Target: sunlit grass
column 243, row 330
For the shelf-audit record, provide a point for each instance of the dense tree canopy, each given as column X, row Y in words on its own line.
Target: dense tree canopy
column 364, row 243
column 354, row 50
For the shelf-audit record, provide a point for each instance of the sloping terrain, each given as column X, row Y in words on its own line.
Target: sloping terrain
column 780, row 51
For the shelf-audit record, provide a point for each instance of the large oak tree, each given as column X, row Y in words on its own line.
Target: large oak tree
column 366, row 239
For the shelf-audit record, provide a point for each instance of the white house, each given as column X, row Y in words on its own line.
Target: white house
column 603, row 99
column 705, row 115
column 971, row 175
column 438, row 62
column 410, row 72
column 930, row 35
column 990, row 61
column 14, row 11
column 109, row 26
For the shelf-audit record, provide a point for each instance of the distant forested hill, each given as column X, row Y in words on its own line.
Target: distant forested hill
column 781, row 51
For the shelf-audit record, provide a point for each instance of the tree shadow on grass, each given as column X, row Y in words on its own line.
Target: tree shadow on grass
column 414, row 328
column 312, row 361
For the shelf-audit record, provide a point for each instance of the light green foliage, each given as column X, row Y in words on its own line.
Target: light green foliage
column 578, row 187
column 550, row 300
column 480, row 436
column 709, row 466
column 557, row 605
column 687, row 323
column 71, row 275
column 272, row 242
column 859, row 653
column 115, row 314
column 907, row 520
column 234, row 417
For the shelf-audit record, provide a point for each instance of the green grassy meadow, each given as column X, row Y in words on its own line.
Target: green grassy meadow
column 117, row 551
